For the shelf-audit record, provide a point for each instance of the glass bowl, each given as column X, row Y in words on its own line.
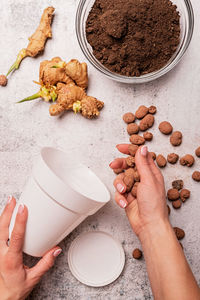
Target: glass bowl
column 187, row 25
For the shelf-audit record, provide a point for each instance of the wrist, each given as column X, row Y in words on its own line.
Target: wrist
column 155, row 230
column 8, row 296
column 5, row 296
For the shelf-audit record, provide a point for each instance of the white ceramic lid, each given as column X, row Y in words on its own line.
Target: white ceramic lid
column 96, row 258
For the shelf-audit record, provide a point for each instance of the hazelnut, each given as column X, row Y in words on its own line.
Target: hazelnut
column 147, row 122
column 130, row 160
column 169, row 210
column 137, row 139
column 172, row 158
column 180, row 234
column 136, row 175
column 136, row 184
column 134, row 190
column 184, row 195
column 161, row 161
column 177, row 204
column 148, row 136
column 197, row 152
column 173, row 194
column 187, row 160
column 128, row 181
column 129, row 172
column 137, row 254
column 153, row 155
column 132, row 128
column 3, row 80
column 128, row 118
column 177, row 184
column 141, row 112
column 152, row 109
column 132, row 149
column 176, row 138
column 196, row 176
column 165, row 127
column 118, row 171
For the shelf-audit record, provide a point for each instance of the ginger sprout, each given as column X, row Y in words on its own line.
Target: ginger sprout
column 77, row 107
column 20, row 57
column 46, row 93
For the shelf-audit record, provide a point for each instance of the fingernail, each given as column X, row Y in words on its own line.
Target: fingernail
column 144, row 150
column 57, row 252
column 122, row 203
column 9, row 199
column 110, row 165
column 120, row 188
column 20, row 208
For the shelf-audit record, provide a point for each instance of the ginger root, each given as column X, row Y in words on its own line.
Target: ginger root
column 90, row 107
column 37, row 40
column 43, row 32
column 75, row 70
column 66, row 83
column 67, row 96
column 78, row 72
column 49, row 75
column 72, row 97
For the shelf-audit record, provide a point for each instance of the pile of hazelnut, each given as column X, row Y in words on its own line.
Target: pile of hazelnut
column 176, row 140
column 177, row 195
column 145, row 115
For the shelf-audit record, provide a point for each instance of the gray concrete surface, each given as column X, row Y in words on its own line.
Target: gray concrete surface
column 25, row 128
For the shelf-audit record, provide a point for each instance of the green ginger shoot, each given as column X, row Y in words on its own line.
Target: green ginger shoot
column 46, row 93
column 21, row 55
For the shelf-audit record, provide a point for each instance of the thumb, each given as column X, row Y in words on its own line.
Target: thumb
column 143, row 165
column 44, row 264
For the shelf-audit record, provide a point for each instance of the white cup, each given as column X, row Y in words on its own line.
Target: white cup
column 59, row 196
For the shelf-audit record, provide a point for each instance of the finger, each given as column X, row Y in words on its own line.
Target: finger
column 123, row 148
column 45, row 263
column 5, row 219
column 143, row 165
column 132, row 210
column 119, row 184
column 130, row 198
column 121, row 200
column 17, row 236
column 154, row 169
column 119, row 163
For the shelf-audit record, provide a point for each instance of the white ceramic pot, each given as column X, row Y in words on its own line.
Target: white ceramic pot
column 59, row 196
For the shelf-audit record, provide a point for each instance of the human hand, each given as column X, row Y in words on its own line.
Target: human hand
column 149, row 208
column 16, row 279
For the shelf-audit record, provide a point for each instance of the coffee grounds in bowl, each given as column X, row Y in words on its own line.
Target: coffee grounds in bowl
column 133, row 37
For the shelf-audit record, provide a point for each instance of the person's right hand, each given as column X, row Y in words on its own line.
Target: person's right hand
column 149, row 209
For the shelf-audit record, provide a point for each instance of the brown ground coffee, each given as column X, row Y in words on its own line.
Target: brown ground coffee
column 133, row 37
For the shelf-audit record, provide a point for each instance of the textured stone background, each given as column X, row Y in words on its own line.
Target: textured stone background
column 25, row 128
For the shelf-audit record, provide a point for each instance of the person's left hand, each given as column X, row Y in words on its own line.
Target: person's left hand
column 16, row 279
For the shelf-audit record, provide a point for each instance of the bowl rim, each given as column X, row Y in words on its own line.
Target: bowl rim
column 144, row 78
